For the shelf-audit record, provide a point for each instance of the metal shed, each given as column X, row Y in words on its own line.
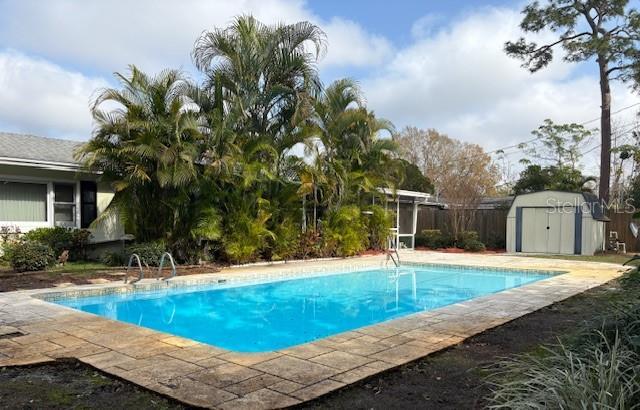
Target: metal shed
column 556, row 222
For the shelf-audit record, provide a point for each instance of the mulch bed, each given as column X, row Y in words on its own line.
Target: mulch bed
column 488, row 251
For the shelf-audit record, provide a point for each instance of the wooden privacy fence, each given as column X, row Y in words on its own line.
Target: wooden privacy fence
column 491, row 224
column 620, row 223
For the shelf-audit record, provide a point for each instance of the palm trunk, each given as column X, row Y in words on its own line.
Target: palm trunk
column 605, row 130
column 315, row 208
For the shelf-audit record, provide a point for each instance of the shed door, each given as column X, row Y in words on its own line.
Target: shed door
column 545, row 230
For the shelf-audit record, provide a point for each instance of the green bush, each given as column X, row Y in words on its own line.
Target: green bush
column 431, row 238
column 247, row 236
column 59, row 238
column 474, row 245
column 114, row 258
column 496, row 241
column 149, row 252
column 465, row 237
column 604, row 375
column 345, row 232
column 310, row 245
column 379, row 223
column 285, row 243
column 29, row 256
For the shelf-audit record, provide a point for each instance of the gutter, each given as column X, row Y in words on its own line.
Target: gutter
column 49, row 165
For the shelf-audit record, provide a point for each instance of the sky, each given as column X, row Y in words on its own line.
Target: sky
column 425, row 63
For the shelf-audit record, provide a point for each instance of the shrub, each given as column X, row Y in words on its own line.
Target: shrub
column 114, row 258
column 310, row 245
column 379, row 223
column 248, row 235
column 29, row 256
column 149, row 252
column 474, row 246
column 345, row 232
column 59, row 239
column 603, row 375
column 496, row 241
column 9, row 234
column 285, row 243
column 467, row 236
column 431, row 238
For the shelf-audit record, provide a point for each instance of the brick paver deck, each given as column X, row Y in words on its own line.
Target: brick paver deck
column 33, row 331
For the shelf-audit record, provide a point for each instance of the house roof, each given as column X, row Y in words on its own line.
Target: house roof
column 495, row 202
column 22, row 148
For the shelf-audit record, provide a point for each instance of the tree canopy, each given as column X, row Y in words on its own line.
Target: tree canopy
column 461, row 173
column 560, row 178
column 605, row 30
column 557, row 144
column 210, row 169
column 414, row 179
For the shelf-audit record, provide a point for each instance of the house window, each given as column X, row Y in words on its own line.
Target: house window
column 88, row 203
column 64, row 205
column 23, row 202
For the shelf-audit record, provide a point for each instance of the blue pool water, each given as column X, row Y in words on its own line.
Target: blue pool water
column 270, row 316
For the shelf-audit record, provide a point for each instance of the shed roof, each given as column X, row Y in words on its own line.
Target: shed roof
column 30, row 148
column 597, row 210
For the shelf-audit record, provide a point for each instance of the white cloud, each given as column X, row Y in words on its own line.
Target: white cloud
column 425, row 25
column 453, row 76
column 459, row 81
column 350, row 45
column 42, row 98
column 154, row 34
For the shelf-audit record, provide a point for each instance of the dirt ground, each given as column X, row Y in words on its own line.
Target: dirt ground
column 452, row 379
column 72, row 385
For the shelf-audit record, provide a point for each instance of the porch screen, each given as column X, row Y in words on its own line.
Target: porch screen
column 23, row 202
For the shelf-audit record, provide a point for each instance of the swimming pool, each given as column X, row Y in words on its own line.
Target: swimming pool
column 271, row 316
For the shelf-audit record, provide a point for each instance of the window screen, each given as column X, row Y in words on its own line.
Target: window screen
column 23, row 202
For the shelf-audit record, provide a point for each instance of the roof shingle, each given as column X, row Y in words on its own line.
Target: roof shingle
column 34, row 148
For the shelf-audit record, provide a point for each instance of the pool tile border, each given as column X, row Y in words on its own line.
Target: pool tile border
column 206, row 376
column 222, row 280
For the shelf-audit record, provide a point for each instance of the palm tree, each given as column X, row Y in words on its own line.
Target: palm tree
column 266, row 76
column 347, row 144
column 149, row 149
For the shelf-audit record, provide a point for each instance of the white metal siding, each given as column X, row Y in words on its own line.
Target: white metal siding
column 560, row 236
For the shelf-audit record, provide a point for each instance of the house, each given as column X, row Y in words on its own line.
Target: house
column 556, row 222
column 42, row 185
column 502, row 202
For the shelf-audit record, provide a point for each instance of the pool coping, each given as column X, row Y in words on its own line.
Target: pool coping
column 206, row 376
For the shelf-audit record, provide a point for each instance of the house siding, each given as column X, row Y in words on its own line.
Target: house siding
column 108, row 230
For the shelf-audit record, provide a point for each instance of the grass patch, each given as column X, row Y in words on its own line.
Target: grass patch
column 80, row 267
column 613, row 258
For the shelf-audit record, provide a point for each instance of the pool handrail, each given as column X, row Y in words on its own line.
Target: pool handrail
column 396, row 260
column 160, row 265
column 140, row 275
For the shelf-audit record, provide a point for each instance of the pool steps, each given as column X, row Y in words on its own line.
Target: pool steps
column 136, row 257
